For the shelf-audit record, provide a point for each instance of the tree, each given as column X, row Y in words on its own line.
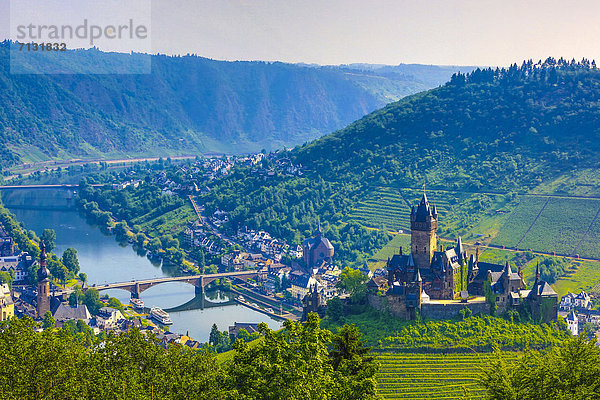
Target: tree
column 352, row 281
column 48, row 238
column 294, row 364
column 215, row 336
column 91, row 299
column 83, row 277
column 48, row 322
column 335, row 309
column 348, row 346
column 69, row 259
column 140, row 239
column 7, row 277
column 571, row 371
column 121, row 230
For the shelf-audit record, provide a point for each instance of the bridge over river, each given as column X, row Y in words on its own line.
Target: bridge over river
column 198, row 281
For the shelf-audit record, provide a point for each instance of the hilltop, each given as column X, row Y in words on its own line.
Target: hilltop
column 503, row 130
column 188, row 104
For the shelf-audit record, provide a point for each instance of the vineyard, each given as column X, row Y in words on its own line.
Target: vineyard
column 433, row 376
column 386, row 209
column 389, row 208
column 562, row 225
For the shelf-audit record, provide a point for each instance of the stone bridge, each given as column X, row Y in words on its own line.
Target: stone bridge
column 198, row 281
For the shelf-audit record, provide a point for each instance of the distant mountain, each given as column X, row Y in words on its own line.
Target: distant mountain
column 187, row 104
column 504, row 129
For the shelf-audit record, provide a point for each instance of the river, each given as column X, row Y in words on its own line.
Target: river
column 104, row 260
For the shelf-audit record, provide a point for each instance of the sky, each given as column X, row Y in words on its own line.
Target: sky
column 445, row 32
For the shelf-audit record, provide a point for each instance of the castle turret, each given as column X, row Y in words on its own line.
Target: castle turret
column 423, row 229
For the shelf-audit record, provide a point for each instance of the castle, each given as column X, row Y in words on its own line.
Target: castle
column 418, row 280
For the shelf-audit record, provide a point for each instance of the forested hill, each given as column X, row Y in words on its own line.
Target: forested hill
column 504, row 129
column 187, row 104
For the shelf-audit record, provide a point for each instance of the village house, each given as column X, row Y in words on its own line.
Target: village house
column 572, row 323
column 301, row 284
column 570, row 300
column 64, row 312
column 7, row 306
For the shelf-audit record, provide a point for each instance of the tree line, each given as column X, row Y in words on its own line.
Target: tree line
column 302, row 361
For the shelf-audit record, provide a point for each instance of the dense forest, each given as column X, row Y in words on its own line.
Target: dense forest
column 187, row 104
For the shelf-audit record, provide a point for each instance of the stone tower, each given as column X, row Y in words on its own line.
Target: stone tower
column 43, row 286
column 423, row 229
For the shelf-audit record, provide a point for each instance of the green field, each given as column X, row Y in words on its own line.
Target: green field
column 579, row 182
column 432, row 376
column 582, row 275
column 172, row 222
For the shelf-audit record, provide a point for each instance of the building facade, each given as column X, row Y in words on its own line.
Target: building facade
column 7, row 306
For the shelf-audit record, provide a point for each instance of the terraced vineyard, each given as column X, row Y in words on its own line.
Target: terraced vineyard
column 563, row 225
column 433, row 376
column 385, row 209
column 391, row 207
column 519, row 221
column 459, row 212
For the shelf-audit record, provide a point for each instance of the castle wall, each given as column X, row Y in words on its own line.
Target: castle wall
column 396, row 306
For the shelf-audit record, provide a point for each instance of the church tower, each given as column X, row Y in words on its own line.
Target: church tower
column 43, row 286
column 423, row 229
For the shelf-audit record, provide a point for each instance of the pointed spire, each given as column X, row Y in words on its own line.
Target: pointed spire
column 459, row 246
column 411, row 261
column 418, row 276
column 42, row 254
column 42, row 272
column 477, row 254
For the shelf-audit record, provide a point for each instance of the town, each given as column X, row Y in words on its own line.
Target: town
column 292, row 280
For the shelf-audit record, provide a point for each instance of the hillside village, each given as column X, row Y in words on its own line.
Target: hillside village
column 427, row 281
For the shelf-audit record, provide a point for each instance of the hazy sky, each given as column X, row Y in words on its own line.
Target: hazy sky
column 457, row 32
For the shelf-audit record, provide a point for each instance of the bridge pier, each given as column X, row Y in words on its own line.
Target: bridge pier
column 199, row 288
column 135, row 291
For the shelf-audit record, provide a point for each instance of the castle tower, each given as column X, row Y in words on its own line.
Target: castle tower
column 43, row 286
column 423, row 229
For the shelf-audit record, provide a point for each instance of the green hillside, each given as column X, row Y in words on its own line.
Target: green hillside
column 478, row 144
column 491, row 130
column 188, row 104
